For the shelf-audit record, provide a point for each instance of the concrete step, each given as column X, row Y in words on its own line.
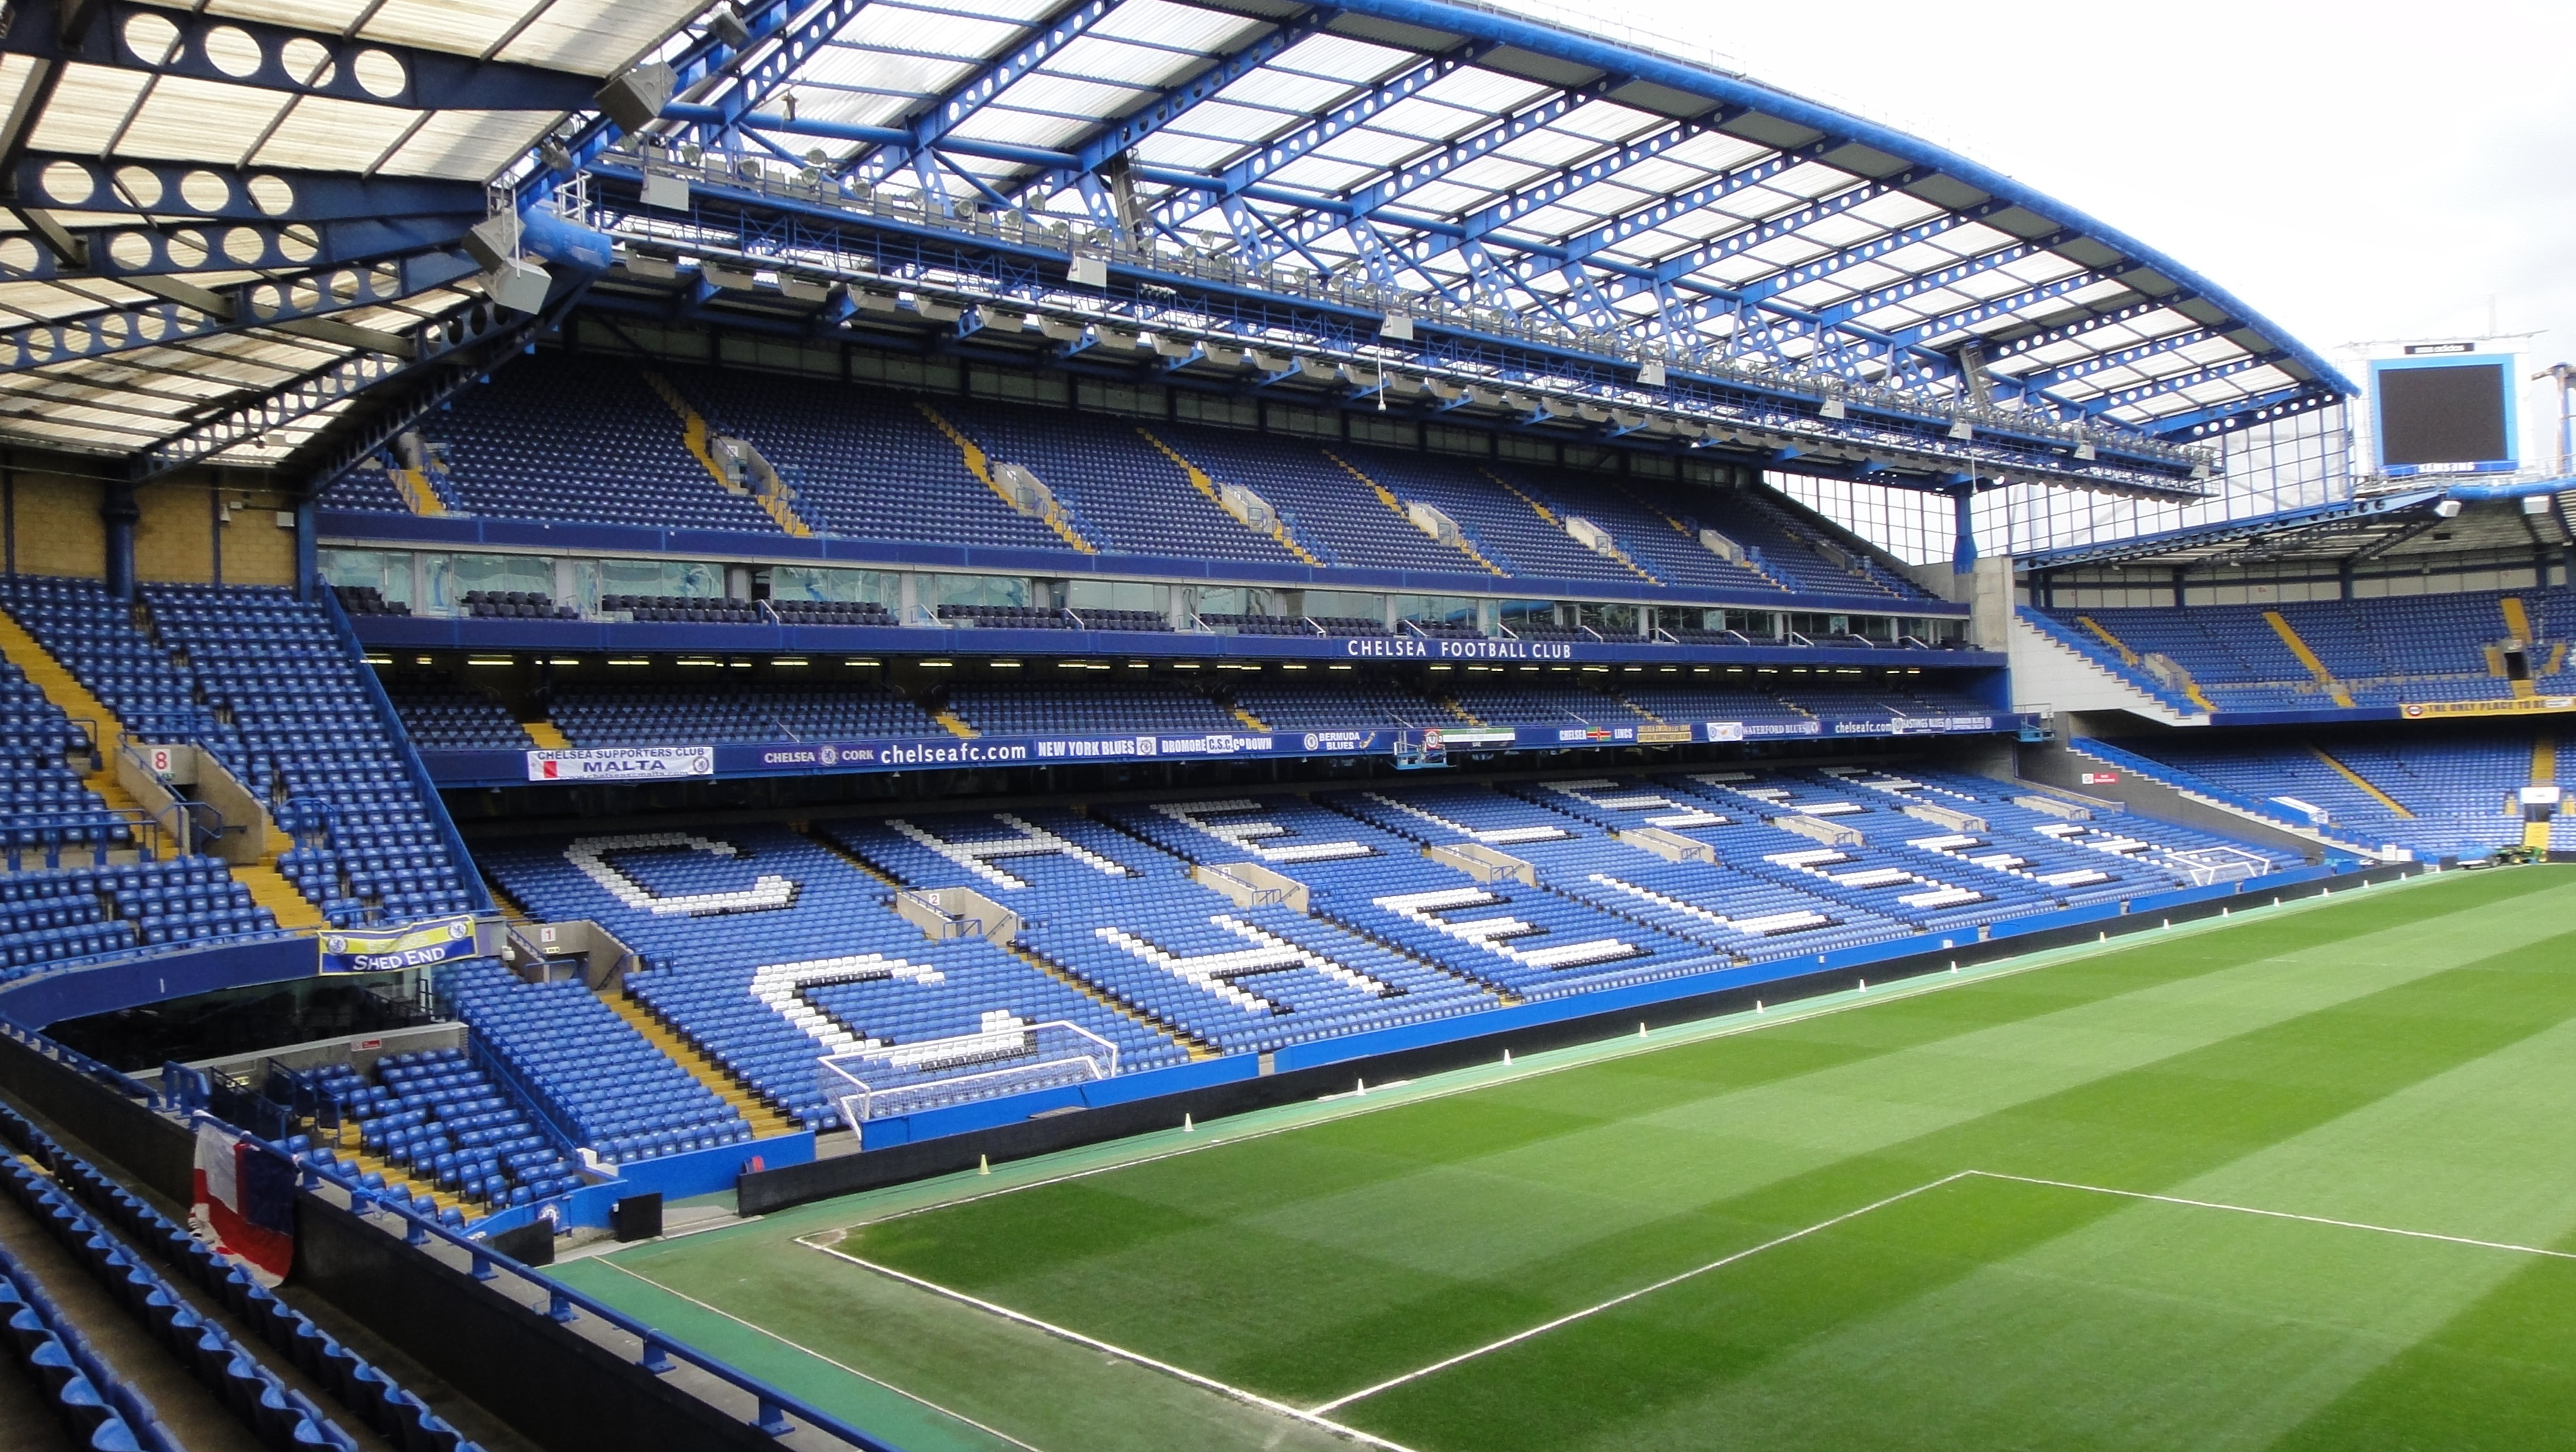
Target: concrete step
column 764, row 1118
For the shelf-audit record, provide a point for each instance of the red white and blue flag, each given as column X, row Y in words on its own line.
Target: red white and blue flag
column 245, row 1202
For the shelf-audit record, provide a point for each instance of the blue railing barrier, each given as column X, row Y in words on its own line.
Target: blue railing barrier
column 778, row 1413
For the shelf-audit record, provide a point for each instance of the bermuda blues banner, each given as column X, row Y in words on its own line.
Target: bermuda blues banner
column 624, row 763
column 416, row 946
column 2510, row 706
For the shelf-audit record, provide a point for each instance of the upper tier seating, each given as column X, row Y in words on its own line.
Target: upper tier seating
column 652, row 715
column 1359, row 704
column 864, row 462
column 559, row 436
column 1338, row 518
column 1533, row 705
column 1258, row 624
column 1111, row 708
column 307, row 738
column 272, row 689
column 587, row 438
column 1126, row 496
column 44, row 806
column 440, row 715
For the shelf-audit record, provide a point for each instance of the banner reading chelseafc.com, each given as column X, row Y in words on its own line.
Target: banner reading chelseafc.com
column 417, row 946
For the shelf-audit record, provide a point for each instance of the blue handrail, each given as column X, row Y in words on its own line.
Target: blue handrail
column 657, row 1350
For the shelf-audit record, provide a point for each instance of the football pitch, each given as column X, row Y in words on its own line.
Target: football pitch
column 2305, row 1179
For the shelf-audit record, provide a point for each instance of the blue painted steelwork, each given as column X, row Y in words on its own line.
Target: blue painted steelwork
column 311, row 294
column 946, row 113
column 169, row 191
column 148, row 251
column 425, row 79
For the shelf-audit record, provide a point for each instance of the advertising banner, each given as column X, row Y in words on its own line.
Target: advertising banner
column 2510, row 706
column 416, row 945
column 622, row 763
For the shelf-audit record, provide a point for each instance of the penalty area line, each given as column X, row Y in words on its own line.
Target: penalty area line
column 1614, row 1302
column 2256, row 1210
column 835, row 1364
column 1311, row 1418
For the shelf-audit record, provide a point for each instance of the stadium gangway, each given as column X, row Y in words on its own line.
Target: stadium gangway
column 791, row 1422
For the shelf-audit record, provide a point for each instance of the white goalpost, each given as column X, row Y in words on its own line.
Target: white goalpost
column 1006, row 1056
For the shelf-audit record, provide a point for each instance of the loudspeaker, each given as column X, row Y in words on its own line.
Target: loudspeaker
column 635, row 99
column 494, row 240
column 519, row 285
column 637, row 1217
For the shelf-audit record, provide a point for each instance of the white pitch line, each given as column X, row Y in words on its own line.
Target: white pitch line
column 2284, row 1215
column 826, row 1360
column 1584, row 1056
column 1620, row 1300
column 1312, row 1419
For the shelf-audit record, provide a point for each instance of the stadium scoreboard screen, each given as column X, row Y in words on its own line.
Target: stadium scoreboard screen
column 2445, row 411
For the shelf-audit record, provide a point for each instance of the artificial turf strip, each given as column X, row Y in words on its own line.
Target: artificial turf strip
column 1314, row 1263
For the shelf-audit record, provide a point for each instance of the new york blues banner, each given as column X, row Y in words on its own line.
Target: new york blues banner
column 245, row 1202
column 416, row 946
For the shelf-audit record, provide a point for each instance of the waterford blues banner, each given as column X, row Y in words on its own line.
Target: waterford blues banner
column 416, row 946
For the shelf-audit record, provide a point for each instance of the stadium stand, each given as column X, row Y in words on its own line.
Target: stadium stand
column 2375, row 653
column 438, row 714
column 1329, row 509
column 2452, row 795
column 207, row 1312
column 1126, row 496
column 1122, row 706
column 563, row 437
column 764, row 949
column 644, row 715
column 438, row 1116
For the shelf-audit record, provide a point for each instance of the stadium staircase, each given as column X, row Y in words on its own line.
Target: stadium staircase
column 2325, row 678
column 74, row 700
column 268, row 887
column 1200, row 480
column 956, row 725
column 1749, row 559
column 419, row 495
column 764, row 1117
column 2052, row 662
column 1387, row 497
column 547, row 735
column 1555, row 521
column 699, row 438
column 2517, row 624
column 2544, row 772
column 972, row 454
column 2367, row 787
column 347, row 1147
column 1248, row 719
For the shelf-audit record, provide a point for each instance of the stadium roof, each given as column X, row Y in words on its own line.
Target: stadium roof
column 2425, row 519
column 1567, row 216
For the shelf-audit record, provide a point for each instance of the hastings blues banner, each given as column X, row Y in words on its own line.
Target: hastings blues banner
column 416, row 946
column 245, row 1201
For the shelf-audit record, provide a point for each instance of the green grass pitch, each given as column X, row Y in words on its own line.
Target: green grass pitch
column 2304, row 1180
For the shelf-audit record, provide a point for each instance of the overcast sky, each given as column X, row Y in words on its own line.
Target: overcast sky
column 2352, row 172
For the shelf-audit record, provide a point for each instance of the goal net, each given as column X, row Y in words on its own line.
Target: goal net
column 2208, row 865
column 1005, row 1056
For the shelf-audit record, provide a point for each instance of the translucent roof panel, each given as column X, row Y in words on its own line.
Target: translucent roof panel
column 237, row 153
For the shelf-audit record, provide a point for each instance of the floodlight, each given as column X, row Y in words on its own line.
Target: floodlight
column 2448, row 509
